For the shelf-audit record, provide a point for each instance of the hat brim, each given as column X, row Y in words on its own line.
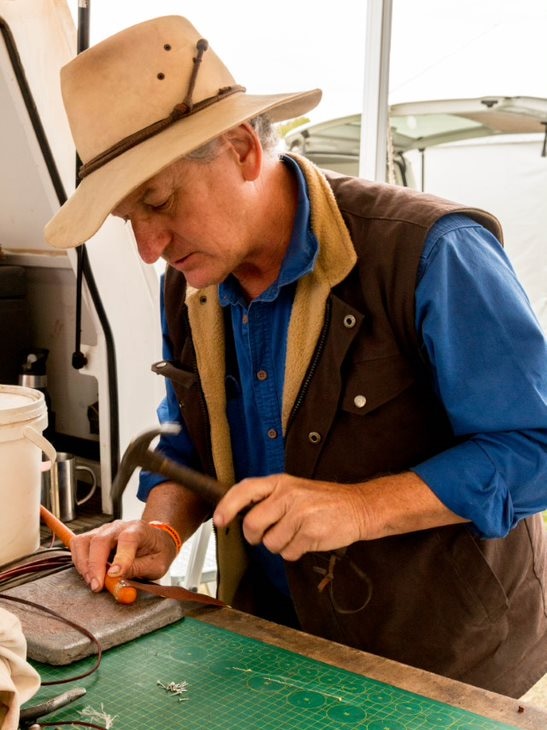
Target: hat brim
column 100, row 192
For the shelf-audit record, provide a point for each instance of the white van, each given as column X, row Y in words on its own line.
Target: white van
column 489, row 152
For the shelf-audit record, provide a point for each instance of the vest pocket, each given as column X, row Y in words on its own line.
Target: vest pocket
column 480, row 590
column 372, row 383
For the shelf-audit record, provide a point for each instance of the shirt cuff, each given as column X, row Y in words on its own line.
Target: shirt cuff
column 466, row 481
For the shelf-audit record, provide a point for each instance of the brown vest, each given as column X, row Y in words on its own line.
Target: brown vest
column 441, row 599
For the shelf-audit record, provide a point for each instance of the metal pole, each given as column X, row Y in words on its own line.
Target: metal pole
column 84, row 8
column 79, row 360
column 375, row 113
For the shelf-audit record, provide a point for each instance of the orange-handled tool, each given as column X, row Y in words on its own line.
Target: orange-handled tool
column 122, row 592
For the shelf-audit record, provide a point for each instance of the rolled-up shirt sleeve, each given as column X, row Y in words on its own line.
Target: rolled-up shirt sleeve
column 488, row 359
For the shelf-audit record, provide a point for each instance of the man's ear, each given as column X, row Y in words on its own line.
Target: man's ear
column 247, row 149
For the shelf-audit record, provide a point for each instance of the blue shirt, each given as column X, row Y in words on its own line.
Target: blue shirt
column 488, row 360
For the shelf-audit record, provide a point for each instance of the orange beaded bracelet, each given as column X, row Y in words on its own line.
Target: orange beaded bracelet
column 169, row 530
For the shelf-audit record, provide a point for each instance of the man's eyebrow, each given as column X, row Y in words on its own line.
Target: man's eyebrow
column 150, row 190
column 118, row 210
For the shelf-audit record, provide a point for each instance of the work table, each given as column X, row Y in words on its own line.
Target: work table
column 243, row 673
column 464, row 696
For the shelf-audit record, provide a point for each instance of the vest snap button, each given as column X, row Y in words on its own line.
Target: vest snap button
column 349, row 321
column 360, row 401
column 314, row 437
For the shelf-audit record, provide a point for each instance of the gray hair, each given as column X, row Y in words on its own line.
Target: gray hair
column 262, row 125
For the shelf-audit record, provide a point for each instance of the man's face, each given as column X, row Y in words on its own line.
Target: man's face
column 193, row 214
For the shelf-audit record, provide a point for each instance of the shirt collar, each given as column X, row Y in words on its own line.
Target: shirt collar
column 301, row 253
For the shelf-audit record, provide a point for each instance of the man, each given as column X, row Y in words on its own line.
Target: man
column 358, row 358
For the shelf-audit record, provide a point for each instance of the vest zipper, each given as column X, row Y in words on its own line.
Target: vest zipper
column 314, row 363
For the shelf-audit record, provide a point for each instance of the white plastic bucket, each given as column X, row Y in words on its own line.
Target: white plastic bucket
column 23, row 417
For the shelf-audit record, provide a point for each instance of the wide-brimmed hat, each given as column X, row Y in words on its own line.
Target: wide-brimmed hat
column 138, row 101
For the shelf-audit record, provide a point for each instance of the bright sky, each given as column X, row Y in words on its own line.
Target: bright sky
column 440, row 48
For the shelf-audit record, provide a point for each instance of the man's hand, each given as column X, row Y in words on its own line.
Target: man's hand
column 293, row 516
column 139, row 551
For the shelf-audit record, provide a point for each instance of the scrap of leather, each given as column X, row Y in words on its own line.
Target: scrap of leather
column 177, row 592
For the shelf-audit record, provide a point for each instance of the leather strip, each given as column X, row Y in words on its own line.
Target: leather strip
column 177, row 592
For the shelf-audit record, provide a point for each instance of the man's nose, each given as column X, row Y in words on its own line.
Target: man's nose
column 152, row 239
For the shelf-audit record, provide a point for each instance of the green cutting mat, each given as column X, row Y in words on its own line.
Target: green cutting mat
column 236, row 683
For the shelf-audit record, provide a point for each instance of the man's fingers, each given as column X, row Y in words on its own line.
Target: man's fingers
column 241, row 496
column 90, row 553
column 126, row 552
column 123, row 550
column 142, row 551
column 262, row 524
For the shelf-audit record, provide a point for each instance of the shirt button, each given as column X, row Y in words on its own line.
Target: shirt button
column 245, row 319
column 272, row 433
column 314, row 437
column 360, row 401
column 262, row 375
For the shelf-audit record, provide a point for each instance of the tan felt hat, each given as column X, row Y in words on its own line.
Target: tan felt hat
column 138, row 101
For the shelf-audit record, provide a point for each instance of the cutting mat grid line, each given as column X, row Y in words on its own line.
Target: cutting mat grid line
column 237, row 683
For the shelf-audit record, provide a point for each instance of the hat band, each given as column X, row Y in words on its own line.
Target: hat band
column 180, row 111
